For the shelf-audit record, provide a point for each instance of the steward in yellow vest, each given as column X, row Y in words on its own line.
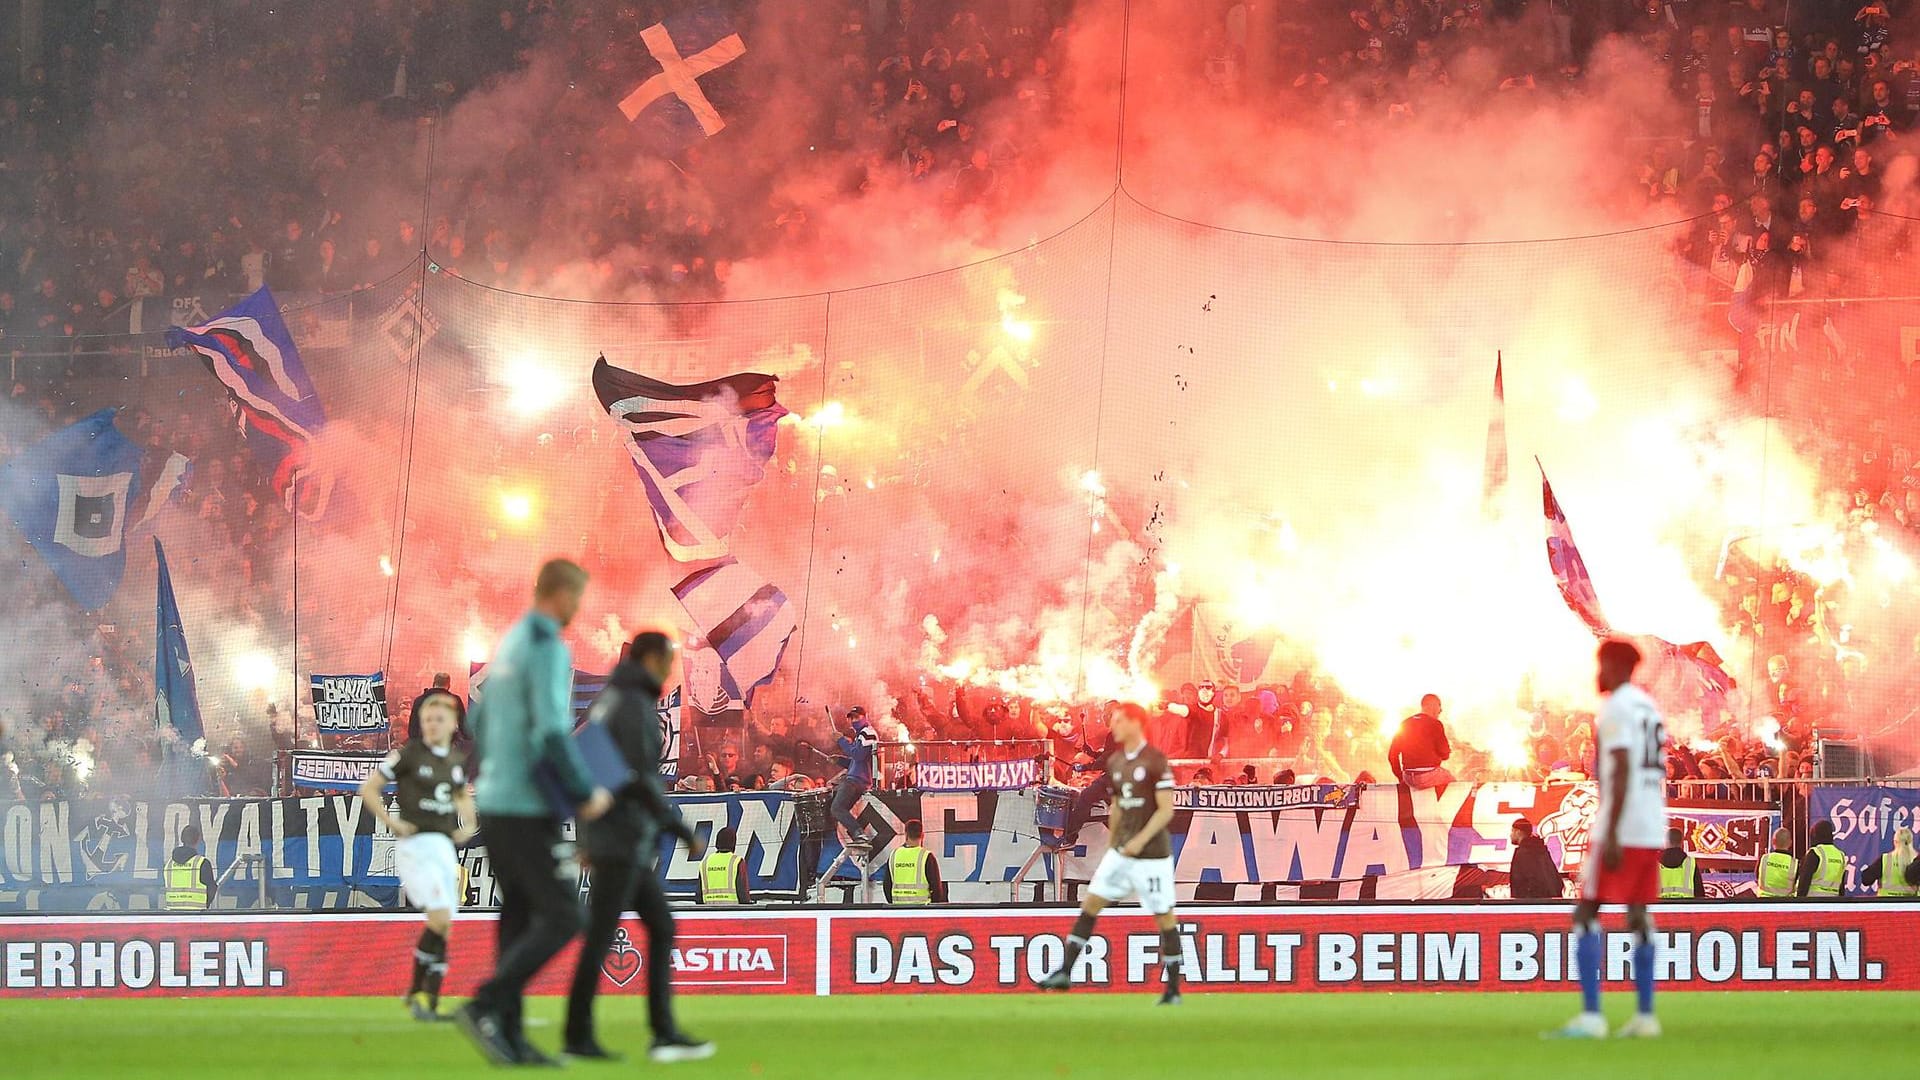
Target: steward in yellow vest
column 913, row 874
column 188, row 879
column 1778, row 868
column 723, row 878
column 1679, row 874
column 1823, row 872
column 1889, row 872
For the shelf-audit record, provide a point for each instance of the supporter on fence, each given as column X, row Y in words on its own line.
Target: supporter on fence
column 1420, row 749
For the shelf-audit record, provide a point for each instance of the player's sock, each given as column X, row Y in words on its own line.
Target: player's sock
column 1170, row 956
column 1077, row 939
column 1588, row 951
column 431, row 949
column 1643, row 952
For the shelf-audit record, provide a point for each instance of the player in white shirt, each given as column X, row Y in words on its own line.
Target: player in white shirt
column 1629, row 833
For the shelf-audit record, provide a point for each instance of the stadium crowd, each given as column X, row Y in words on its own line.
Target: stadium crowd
column 284, row 173
column 1787, row 122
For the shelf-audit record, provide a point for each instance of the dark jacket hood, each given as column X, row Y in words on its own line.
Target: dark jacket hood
column 630, row 675
column 1672, row 857
column 459, row 707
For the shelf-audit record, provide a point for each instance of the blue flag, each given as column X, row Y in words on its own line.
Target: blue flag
column 700, row 450
column 1569, row 569
column 176, row 703
column 586, row 687
column 744, row 618
column 70, row 494
column 249, row 349
column 679, row 90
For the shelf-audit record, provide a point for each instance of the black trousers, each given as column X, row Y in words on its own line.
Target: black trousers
column 539, row 908
column 613, row 889
column 846, row 799
column 1083, row 804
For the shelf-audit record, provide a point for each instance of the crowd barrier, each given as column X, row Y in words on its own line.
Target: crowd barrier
column 323, row 852
column 1703, row 946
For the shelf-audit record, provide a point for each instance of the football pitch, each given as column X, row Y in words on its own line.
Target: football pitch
column 1325, row 1036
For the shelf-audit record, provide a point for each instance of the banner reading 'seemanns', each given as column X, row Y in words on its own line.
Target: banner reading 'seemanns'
column 1725, row 946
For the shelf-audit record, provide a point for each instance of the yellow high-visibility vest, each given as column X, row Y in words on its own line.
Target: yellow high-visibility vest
column 184, row 889
column 1777, row 872
column 1831, row 873
column 1676, row 882
column 909, row 876
column 1893, row 875
column 719, row 873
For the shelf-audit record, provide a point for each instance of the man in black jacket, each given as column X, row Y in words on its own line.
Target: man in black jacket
column 1533, row 874
column 1420, row 749
column 622, row 849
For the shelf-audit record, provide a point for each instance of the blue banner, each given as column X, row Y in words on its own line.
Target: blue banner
column 1864, row 819
column 320, row 851
column 764, row 824
column 350, row 704
column 329, row 770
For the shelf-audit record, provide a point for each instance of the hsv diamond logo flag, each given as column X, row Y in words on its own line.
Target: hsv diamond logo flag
column 249, row 349
column 70, row 494
column 681, row 87
column 1569, row 569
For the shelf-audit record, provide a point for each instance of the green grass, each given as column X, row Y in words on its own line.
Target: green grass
column 1097, row 1036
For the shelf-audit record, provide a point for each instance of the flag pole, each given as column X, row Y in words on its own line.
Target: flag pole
column 293, row 702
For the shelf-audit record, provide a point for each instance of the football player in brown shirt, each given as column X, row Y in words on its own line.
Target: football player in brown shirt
column 1139, row 858
column 431, row 802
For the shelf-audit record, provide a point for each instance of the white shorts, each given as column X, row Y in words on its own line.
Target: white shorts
column 1150, row 880
column 429, row 870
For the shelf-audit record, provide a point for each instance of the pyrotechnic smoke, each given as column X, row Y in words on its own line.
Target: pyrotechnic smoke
column 1286, row 431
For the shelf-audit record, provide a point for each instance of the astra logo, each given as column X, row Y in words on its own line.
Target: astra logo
column 721, row 960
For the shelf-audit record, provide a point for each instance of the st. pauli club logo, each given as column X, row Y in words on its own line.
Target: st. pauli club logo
column 623, row 960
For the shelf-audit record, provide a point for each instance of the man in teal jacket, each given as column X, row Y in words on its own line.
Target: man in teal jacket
column 523, row 727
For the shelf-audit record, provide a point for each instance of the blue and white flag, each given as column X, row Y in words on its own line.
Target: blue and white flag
column 745, row 620
column 176, row 701
column 699, row 450
column 586, row 687
column 1569, row 569
column 679, row 90
column 670, row 735
column 249, row 349
column 70, row 495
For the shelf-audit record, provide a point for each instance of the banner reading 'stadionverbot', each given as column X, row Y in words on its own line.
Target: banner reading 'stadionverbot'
column 1707, row 946
column 350, row 705
column 1864, row 820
